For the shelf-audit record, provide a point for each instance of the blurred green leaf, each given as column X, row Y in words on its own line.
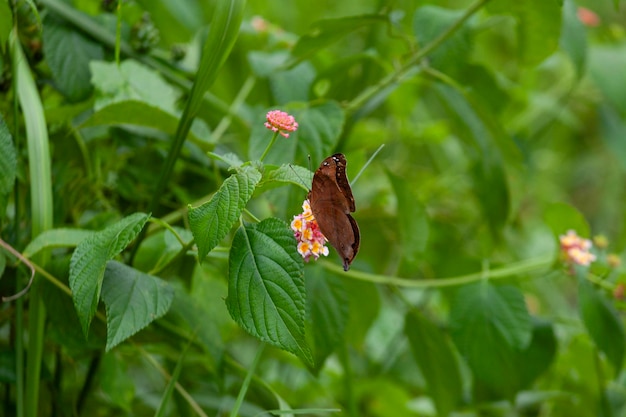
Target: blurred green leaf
column 211, row 221
column 133, row 300
column 488, row 324
column 6, row 24
column 436, row 358
column 293, row 84
column 562, row 217
column 264, row 64
column 327, row 312
column 320, row 126
column 613, row 133
column 90, row 259
column 487, row 166
column 56, row 238
column 115, row 382
column 328, row 31
column 266, row 291
column 8, row 166
column 68, row 53
column 574, row 37
column 603, row 62
column 538, row 27
column 287, row 174
column 412, row 219
column 429, row 22
column 537, row 357
column 602, row 322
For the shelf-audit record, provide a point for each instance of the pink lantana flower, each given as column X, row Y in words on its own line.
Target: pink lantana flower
column 588, row 17
column 311, row 241
column 575, row 249
column 279, row 121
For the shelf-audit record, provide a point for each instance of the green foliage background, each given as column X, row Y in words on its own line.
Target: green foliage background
column 135, row 185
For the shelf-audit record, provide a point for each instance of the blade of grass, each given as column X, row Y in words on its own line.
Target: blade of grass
column 41, row 211
column 171, row 384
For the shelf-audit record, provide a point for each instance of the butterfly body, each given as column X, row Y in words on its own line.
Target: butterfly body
column 331, row 203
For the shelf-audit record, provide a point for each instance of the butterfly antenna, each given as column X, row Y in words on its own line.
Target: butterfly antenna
column 302, row 182
column 367, row 163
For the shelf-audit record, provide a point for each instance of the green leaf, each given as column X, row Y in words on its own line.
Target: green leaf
column 293, row 84
column 604, row 62
column 133, row 300
column 287, row 174
column 139, row 113
column 266, row 291
column 602, row 322
column 327, row 312
column 6, row 23
column 115, row 382
column 538, row 28
column 263, row 64
column 56, row 238
column 89, row 263
column 435, row 356
column 68, row 54
column 320, row 126
column 429, row 22
column 613, row 133
column 8, row 166
column 574, row 37
column 212, row 221
column 488, row 172
column 562, row 217
column 489, row 323
column 412, row 219
column 537, row 357
column 324, row 33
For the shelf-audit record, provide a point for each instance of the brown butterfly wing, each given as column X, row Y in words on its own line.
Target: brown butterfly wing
column 331, row 203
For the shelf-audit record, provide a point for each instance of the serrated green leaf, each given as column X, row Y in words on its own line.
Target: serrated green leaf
column 435, row 356
column 429, row 22
column 89, row 263
column 602, row 322
column 320, row 124
column 562, row 217
column 489, row 323
column 133, row 300
column 328, row 31
column 68, row 54
column 211, row 221
column 487, row 166
column 56, row 238
column 8, row 165
column 266, row 291
column 327, row 312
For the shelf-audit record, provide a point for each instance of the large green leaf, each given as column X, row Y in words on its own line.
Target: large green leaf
column 266, row 291
column 613, row 133
column 211, row 221
column 602, row 322
column 320, row 126
column 535, row 359
column 286, row 174
column 133, row 300
column 8, row 165
column 604, row 63
column 89, row 262
column 327, row 313
column 435, row 356
column 574, row 37
column 68, row 54
column 489, row 323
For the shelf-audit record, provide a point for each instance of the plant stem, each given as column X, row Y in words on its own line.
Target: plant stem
column 266, row 151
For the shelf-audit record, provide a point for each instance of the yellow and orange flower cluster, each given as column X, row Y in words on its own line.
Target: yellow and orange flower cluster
column 311, row 241
column 575, row 249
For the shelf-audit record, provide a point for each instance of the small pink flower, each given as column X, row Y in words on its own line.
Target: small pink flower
column 279, row 121
column 588, row 17
column 311, row 241
column 575, row 249
column 259, row 24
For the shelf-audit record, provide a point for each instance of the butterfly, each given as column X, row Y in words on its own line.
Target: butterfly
column 331, row 203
